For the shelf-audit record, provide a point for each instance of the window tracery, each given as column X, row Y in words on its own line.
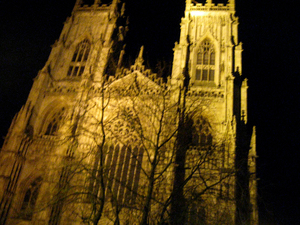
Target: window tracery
column 30, row 198
column 122, row 162
column 205, row 66
column 202, row 133
column 79, row 59
column 55, row 122
column 126, row 128
column 122, row 168
column 202, row 146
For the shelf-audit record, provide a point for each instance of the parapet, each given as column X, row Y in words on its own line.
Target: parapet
column 210, row 6
column 84, row 5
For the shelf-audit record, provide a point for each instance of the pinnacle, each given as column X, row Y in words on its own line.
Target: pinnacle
column 139, row 59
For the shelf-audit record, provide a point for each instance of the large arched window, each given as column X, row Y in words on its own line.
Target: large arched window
column 30, row 198
column 124, row 165
column 203, row 140
column 121, row 172
column 202, row 133
column 79, row 59
column 54, row 122
column 122, row 161
column 205, row 66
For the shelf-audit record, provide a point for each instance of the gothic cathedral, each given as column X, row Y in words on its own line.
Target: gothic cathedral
column 100, row 143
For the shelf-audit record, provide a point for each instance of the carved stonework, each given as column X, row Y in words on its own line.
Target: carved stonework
column 96, row 140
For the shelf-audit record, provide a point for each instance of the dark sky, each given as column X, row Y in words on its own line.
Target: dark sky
column 270, row 33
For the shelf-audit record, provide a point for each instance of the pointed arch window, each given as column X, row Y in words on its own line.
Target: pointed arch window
column 202, row 134
column 122, row 158
column 55, row 122
column 205, row 67
column 79, row 59
column 30, row 198
column 121, row 172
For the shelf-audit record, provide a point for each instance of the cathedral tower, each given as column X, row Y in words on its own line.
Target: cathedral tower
column 91, row 36
column 209, row 57
column 99, row 143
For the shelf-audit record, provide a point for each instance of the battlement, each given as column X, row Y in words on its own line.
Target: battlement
column 96, row 6
column 83, row 5
column 210, row 5
column 200, row 6
column 94, row 2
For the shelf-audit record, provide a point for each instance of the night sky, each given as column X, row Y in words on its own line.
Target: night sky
column 271, row 61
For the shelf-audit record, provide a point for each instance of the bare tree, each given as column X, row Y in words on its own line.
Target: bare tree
column 122, row 159
column 153, row 115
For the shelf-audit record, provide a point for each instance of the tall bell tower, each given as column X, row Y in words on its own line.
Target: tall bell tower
column 215, row 50
column 91, row 37
column 209, row 57
column 210, row 49
column 92, row 30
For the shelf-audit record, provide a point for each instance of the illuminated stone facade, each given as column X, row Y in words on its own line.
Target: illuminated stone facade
column 93, row 132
